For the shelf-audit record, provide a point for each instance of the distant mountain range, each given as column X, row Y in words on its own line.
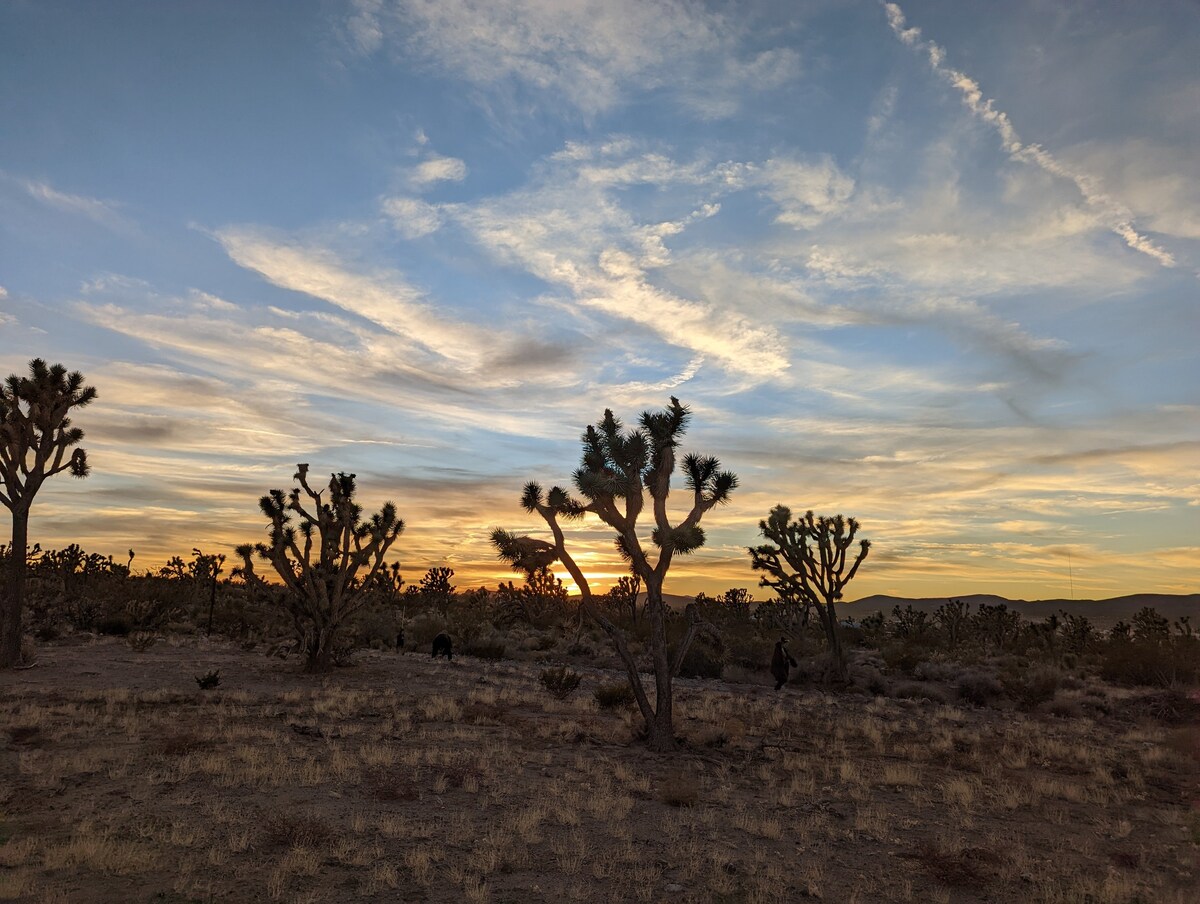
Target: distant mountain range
column 1171, row 605
column 1102, row 612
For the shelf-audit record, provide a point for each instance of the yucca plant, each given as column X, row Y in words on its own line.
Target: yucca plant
column 328, row 561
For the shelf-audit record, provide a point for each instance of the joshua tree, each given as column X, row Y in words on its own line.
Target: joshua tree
column 35, row 434
column 806, row 559
column 619, row 470
column 320, row 560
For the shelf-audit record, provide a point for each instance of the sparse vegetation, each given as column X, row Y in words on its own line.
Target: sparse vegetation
column 305, row 791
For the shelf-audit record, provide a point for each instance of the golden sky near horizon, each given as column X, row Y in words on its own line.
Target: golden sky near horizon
column 934, row 266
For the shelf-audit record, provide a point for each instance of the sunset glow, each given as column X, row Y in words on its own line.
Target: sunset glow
column 933, row 265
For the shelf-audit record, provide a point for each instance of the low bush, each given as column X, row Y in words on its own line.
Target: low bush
column 701, row 662
column 618, row 695
column 560, row 682
column 118, row 624
column 486, row 648
column 141, row 641
column 920, row 690
column 1031, row 688
column 978, row 688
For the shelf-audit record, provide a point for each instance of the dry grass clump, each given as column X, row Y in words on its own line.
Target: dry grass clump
column 307, row 830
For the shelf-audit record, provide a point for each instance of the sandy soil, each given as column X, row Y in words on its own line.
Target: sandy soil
column 405, row 779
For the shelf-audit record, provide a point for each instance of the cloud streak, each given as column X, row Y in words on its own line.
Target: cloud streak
column 1117, row 216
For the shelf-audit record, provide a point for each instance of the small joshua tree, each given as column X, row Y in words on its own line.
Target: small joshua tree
column 806, row 559
column 35, row 434
column 327, row 562
column 620, row 469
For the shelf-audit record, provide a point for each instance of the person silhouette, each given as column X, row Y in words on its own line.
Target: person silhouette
column 781, row 663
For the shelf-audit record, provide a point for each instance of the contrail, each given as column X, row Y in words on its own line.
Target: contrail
column 1119, row 217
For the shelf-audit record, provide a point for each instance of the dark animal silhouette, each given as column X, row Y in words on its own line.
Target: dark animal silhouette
column 781, row 663
column 442, row 646
column 399, row 640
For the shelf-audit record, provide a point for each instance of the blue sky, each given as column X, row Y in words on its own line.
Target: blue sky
column 932, row 265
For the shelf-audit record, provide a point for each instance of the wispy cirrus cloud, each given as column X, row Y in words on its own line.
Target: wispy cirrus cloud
column 591, row 54
column 1117, row 216
column 384, row 298
column 569, row 229
column 105, row 213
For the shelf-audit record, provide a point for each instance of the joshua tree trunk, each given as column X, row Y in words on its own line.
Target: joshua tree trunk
column 833, row 635
column 14, row 592
column 660, row 732
column 319, row 650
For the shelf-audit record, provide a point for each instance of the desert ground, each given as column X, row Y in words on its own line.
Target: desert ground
column 407, row 779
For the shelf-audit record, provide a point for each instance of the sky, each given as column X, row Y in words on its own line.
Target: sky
column 934, row 265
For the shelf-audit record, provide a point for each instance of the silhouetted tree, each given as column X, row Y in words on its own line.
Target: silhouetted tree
column 807, row 559
column 320, row 560
column 619, row 470
column 35, row 434
column 625, row 594
column 954, row 618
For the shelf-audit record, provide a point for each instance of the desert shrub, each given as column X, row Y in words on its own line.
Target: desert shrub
column 491, row 647
column 1071, row 683
column 1152, row 661
column 920, row 690
column 869, row 679
column 119, row 624
column 911, row 624
column 1171, row 707
column 903, row 657
column 83, row 614
column 560, row 682
column 141, row 641
column 151, row 614
column 425, row 627
column 820, row 669
column 618, row 695
column 936, row 671
column 978, row 688
column 374, row 627
column 1066, row 708
column 1129, row 663
column 873, row 628
column 1032, row 687
column 701, row 662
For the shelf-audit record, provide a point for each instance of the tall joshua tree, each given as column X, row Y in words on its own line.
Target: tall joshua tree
column 327, row 562
column 620, row 469
column 806, row 559
column 35, row 436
